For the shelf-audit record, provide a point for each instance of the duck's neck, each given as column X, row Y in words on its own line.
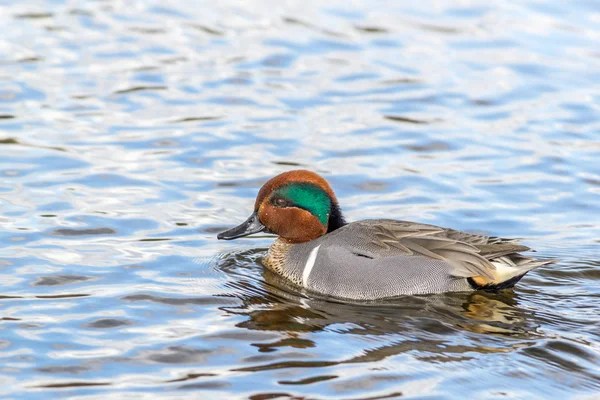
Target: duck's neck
column 336, row 219
column 277, row 260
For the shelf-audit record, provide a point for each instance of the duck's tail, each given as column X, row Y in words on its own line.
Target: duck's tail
column 509, row 269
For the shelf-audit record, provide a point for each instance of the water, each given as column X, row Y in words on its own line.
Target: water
column 132, row 132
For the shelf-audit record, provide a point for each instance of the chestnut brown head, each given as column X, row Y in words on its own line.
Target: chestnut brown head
column 298, row 206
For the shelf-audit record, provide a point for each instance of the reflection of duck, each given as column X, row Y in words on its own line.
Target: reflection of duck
column 486, row 308
column 493, row 314
column 433, row 324
column 372, row 259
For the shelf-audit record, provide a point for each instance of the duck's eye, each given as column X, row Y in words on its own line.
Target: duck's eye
column 281, row 202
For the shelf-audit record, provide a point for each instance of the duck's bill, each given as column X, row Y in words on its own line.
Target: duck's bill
column 250, row 226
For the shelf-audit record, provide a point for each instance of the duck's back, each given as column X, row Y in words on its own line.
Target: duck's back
column 374, row 259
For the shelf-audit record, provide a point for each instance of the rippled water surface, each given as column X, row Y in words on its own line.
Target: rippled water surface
column 131, row 132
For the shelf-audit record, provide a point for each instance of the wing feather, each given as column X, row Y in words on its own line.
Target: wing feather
column 469, row 254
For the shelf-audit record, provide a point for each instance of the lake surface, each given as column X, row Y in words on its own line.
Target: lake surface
column 132, row 132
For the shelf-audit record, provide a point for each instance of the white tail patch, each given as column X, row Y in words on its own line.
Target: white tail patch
column 310, row 263
column 507, row 268
column 505, row 272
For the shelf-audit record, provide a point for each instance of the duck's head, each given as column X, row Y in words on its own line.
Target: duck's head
column 298, row 206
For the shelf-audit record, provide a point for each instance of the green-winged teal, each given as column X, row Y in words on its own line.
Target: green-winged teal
column 372, row 259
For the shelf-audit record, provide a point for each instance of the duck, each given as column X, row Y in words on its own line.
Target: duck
column 372, row 259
